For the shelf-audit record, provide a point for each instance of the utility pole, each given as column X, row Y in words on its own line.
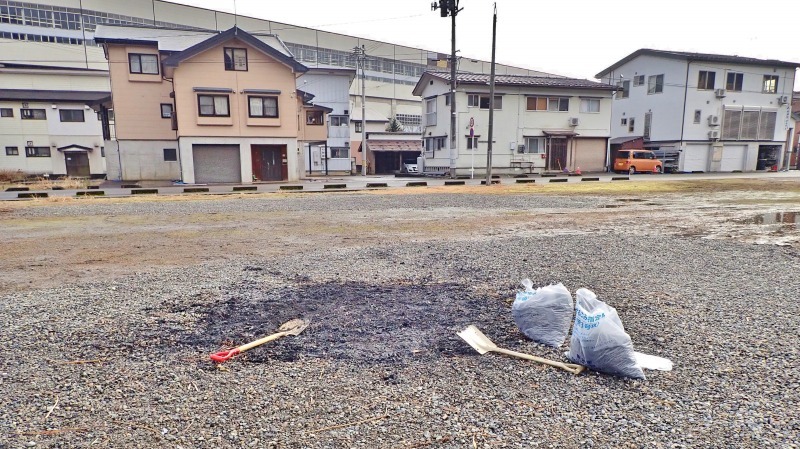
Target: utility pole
column 361, row 56
column 450, row 7
column 491, row 102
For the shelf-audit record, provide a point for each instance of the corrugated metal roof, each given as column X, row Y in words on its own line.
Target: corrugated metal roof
column 54, row 95
column 171, row 39
column 521, row 80
column 395, row 145
column 706, row 57
column 52, row 55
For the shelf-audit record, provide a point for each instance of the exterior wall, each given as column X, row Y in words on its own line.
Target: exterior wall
column 293, row 153
column 51, row 133
column 141, row 160
column 138, row 98
column 207, row 70
column 795, row 160
column 666, row 107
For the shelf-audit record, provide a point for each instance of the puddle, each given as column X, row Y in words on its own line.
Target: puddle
column 785, row 219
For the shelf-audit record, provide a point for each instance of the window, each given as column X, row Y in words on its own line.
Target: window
column 638, row 80
column 358, row 126
column 473, row 100
column 624, row 122
column 6, row 112
column 590, row 105
column 266, row 107
column 498, row 102
column 315, row 118
column 338, row 120
column 71, row 115
column 631, row 125
column 170, row 155
column 37, row 151
column 698, row 114
column 447, row 99
column 340, row 153
column 430, row 112
column 626, row 89
column 738, row 124
column 102, row 151
column 166, row 110
column 648, row 122
column 734, row 81
column 214, row 105
column 236, row 59
column 145, row 64
column 534, row 145
column 766, row 126
column 655, row 84
column 12, row 151
column 770, row 84
column 705, row 81
column 557, row 104
column 435, row 143
column 472, row 143
column 33, row 114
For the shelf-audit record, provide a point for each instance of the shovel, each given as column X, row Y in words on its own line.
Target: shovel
column 293, row 327
column 482, row 344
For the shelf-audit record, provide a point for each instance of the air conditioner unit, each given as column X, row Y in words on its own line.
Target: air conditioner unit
column 713, row 120
column 713, row 134
column 719, row 93
column 520, row 149
column 783, row 99
column 574, row 121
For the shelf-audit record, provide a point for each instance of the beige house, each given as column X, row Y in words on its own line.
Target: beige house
column 220, row 108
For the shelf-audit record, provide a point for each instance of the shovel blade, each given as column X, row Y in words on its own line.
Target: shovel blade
column 293, row 327
column 475, row 338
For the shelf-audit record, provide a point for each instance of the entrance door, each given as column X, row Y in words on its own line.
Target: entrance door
column 77, row 164
column 270, row 162
column 558, row 154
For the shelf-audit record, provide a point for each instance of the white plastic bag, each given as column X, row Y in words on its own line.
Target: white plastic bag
column 599, row 341
column 543, row 315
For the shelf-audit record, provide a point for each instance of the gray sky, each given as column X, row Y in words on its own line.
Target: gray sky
column 576, row 38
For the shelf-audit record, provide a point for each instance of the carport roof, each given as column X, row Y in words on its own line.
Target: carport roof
column 395, row 145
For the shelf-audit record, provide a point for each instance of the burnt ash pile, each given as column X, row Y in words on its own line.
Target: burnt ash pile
column 361, row 323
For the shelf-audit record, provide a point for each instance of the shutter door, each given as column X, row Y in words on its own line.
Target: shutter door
column 730, row 124
column 216, row 164
column 767, row 129
column 733, row 157
column 695, row 158
column 750, row 125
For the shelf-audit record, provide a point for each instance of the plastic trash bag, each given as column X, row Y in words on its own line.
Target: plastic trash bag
column 647, row 361
column 599, row 341
column 545, row 314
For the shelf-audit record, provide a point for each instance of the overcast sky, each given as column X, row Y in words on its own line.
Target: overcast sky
column 576, row 38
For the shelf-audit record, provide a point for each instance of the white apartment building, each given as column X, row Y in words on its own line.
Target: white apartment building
column 720, row 113
column 541, row 124
column 47, row 124
column 391, row 70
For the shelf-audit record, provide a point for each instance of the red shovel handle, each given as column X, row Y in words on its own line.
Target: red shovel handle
column 222, row 356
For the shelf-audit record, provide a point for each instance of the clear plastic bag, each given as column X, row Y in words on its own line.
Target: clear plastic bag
column 599, row 340
column 545, row 314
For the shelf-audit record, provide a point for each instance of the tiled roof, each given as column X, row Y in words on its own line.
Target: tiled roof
column 522, row 80
column 706, row 57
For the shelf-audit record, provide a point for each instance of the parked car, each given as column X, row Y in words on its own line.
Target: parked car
column 633, row 161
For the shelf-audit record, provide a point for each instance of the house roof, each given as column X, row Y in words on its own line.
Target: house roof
column 691, row 57
column 77, row 96
column 225, row 36
column 511, row 80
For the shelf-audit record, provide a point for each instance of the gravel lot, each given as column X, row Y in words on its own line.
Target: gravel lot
column 109, row 310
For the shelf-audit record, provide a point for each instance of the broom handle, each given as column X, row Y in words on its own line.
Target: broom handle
column 571, row 367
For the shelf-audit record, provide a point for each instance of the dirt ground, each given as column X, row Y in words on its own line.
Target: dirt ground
column 58, row 243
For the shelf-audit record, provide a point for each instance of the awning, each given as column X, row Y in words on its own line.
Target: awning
column 559, row 133
column 74, row 147
column 626, row 139
column 395, row 145
column 75, row 96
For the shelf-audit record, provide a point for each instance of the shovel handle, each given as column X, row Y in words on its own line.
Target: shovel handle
column 570, row 367
column 223, row 356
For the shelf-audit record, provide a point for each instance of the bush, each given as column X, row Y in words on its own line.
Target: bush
column 8, row 175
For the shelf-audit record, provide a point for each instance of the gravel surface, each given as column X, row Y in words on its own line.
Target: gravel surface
column 381, row 365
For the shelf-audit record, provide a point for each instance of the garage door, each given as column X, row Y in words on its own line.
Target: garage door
column 695, row 158
column 733, row 157
column 216, row 163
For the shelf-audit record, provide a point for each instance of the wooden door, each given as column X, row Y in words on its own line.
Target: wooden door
column 270, row 162
column 77, row 164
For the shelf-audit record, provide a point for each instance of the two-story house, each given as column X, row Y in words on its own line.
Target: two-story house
column 206, row 107
column 720, row 113
column 540, row 123
column 47, row 124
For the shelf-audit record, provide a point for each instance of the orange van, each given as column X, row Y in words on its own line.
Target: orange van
column 633, row 161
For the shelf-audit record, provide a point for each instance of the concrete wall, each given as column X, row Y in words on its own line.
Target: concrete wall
column 141, row 160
